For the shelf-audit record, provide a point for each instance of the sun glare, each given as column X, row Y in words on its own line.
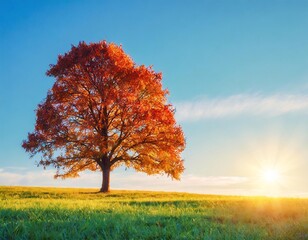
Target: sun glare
column 271, row 175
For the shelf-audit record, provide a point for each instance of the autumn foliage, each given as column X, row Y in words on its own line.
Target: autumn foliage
column 104, row 111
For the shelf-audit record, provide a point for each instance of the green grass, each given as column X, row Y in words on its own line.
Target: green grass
column 51, row 213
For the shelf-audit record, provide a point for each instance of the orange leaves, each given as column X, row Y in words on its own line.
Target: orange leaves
column 120, row 60
column 104, row 111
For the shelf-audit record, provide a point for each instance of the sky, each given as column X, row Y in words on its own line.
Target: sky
column 237, row 72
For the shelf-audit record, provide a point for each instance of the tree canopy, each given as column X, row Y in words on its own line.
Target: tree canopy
column 104, row 111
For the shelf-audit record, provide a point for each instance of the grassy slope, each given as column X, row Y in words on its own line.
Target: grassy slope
column 50, row 213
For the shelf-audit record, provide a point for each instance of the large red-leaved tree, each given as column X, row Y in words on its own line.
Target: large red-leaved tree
column 104, row 111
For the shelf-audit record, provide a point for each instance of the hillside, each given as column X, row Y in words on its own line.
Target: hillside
column 55, row 213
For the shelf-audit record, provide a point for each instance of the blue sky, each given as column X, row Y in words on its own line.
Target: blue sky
column 237, row 74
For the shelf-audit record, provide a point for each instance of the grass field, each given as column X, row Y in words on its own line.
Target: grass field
column 51, row 213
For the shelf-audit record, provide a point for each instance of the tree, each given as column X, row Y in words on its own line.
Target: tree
column 104, row 111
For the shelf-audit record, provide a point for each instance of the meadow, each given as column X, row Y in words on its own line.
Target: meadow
column 58, row 213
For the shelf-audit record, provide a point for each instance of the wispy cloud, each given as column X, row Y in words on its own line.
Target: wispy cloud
column 242, row 104
column 128, row 180
column 226, row 185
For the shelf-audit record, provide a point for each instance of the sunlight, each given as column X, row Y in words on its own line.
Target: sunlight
column 270, row 175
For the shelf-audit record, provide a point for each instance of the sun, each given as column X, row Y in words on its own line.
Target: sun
column 270, row 175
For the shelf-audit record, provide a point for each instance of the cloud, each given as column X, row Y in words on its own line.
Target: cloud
column 188, row 183
column 242, row 104
column 120, row 179
column 127, row 180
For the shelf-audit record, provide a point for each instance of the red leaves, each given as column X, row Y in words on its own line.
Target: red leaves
column 103, row 110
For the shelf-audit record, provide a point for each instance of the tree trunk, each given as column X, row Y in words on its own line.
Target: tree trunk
column 106, row 179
